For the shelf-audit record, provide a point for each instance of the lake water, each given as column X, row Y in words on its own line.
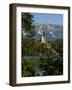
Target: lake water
column 34, row 57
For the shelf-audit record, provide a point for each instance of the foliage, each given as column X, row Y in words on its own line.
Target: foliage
column 51, row 65
column 27, row 20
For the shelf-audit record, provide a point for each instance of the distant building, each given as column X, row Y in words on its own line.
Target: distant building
column 43, row 40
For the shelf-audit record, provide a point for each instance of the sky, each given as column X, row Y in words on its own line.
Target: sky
column 48, row 18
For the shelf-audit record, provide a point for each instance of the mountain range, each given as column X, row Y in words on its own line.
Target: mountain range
column 51, row 31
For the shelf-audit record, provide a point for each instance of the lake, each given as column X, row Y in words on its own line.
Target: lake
column 34, row 57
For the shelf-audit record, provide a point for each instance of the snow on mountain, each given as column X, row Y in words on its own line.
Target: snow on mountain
column 52, row 31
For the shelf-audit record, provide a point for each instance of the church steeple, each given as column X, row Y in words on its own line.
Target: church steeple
column 43, row 40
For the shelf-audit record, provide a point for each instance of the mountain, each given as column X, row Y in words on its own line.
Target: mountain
column 51, row 31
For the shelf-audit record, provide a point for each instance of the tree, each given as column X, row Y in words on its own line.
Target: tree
column 27, row 28
column 27, row 20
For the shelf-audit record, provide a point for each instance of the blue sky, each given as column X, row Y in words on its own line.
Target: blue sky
column 48, row 18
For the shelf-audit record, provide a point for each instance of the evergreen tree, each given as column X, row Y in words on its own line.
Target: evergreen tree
column 27, row 20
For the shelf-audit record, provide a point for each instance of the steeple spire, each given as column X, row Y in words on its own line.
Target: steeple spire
column 43, row 40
